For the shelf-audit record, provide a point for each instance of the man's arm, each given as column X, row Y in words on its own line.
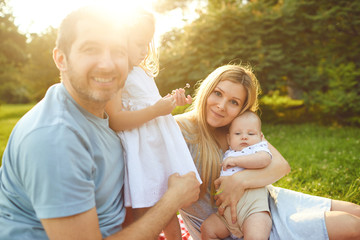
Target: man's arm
column 182, row 191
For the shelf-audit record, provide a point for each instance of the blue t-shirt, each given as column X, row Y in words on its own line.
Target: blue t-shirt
column 60, row 161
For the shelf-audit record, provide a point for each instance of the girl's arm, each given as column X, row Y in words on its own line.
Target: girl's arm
column 231, row 188
column 125, row 120
column 259, row 159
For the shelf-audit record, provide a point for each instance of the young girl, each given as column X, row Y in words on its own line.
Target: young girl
column 153, row 143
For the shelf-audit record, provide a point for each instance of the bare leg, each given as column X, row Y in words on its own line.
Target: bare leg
column 343, row 221
column 257, row 226
column 172, row 230
column 138, row 213
column 352, row 208
column 129, row 218
column 213, row 228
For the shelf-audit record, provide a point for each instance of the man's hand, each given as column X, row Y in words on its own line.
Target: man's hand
column 185, row 188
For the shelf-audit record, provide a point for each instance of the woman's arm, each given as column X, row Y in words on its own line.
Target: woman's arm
column 231, row 188
column 125, row 120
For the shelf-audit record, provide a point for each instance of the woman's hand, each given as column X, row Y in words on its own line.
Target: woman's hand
column 229, row 191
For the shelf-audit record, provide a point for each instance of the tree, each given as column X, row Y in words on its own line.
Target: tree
column 295, row 46
column 40, row 72
column 12, row 58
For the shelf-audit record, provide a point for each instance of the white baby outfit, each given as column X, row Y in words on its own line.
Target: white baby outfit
column 154, row 150
column 261, row 146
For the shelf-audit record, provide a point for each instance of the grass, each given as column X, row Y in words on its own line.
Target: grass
column 9, row 115
column 325, row 161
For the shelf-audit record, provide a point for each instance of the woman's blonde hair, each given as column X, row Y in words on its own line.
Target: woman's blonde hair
column 199, row 132
column 145, row 20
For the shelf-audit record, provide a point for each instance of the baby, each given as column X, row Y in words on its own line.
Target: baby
column 247, row 150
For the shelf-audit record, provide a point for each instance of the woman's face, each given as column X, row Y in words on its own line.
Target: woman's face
column 225, row 103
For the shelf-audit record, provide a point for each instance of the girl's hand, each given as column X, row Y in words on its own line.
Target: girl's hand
column 229, row 192
column 179, row 95
column 164, row 106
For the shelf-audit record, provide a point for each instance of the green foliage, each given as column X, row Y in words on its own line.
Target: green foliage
column 179, row 109
column 339, row 101
column 26, row 68
column 12, row 59
column 40, row 73
column 275, row 108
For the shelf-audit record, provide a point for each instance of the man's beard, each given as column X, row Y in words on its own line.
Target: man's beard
column 82, row 87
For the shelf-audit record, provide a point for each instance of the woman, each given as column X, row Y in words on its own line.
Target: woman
column 223, row 95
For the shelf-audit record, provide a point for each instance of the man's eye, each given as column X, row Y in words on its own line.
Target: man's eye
column 120, row 52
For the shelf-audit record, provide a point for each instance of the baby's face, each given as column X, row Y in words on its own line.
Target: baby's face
column 244, row 131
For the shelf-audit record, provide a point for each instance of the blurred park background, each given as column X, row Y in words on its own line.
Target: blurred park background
column 305, row 53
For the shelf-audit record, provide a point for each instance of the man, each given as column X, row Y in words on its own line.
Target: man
column 63, row 168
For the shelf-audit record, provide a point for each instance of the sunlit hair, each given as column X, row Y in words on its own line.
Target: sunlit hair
column 68, row 27
column 197, row 130
column 143, row 20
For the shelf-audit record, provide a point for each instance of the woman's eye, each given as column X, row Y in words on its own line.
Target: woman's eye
column 217, row 93
column 234, row 102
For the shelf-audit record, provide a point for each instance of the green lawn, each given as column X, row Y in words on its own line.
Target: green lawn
column 325, row 161
column 9, row 115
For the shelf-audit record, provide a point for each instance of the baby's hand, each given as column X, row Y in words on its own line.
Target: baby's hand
column 165, row 105
column 228, row 163
column 179, row 95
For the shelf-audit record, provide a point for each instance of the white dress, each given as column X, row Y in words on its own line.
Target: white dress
column 154, row 150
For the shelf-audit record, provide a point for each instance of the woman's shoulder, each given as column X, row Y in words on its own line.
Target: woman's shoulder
column 187, row 123
column 184, row 118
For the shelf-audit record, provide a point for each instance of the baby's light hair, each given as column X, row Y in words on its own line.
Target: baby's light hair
column 248, row 114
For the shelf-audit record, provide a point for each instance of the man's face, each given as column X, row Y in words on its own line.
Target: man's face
column 97, row 64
